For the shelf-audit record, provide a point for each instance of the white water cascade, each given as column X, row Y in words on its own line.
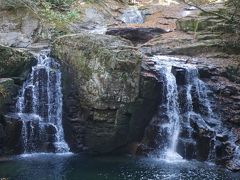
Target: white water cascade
column 40, row 108
column 132, row 16
column 172, row 112
column 184, row 109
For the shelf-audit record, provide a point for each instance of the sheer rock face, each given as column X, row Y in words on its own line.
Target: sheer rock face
column 107, row 103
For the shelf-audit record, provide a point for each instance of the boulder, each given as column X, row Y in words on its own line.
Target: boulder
column 15, row 62
column 10, row 133
column 105, row 68
column 104, row 93
column 19, row 26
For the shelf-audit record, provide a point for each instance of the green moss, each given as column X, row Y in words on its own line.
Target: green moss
column 7, row 88
column 196, row 24
column 90, row 51
column 80, row 63
column 105, row 68
column 14, row 63
column 188, row 25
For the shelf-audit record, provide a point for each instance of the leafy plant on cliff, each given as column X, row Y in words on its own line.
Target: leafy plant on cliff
column 54, row 13
column 57, row 19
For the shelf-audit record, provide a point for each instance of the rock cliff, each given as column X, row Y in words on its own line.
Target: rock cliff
column 104, row 92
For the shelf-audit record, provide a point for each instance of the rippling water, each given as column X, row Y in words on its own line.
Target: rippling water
column 77, row 167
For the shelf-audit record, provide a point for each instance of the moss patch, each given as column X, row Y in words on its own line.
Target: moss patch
column 14, row 63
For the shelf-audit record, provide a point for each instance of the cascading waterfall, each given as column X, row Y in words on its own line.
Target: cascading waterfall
column 172, row 111
column 40, row 108
column 186, row 119
column 132, row 16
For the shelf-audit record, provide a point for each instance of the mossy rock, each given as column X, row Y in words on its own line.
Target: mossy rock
column 105, row 68
column 107, row 103
column 192, row 24
column 14, row 62
column 7, row 90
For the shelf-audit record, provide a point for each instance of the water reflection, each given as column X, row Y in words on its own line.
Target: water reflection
column 73, row 167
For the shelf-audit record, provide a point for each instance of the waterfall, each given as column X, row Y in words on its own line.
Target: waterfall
column 185, row 117
column 132, row 16
column 172, row 126
column 40, row 108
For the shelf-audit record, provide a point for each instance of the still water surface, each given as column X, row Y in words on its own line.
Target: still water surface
column 80, row 167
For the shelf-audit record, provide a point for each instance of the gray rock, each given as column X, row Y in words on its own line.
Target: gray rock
column 19, row 27
column 106, row 104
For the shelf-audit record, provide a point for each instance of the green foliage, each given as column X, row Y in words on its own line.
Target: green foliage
column 17, row 3
column 35, row 2
column 54, row 13
column 57, row 19
column 230, row 16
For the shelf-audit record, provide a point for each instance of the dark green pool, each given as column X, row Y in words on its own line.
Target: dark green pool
column 80, row 167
